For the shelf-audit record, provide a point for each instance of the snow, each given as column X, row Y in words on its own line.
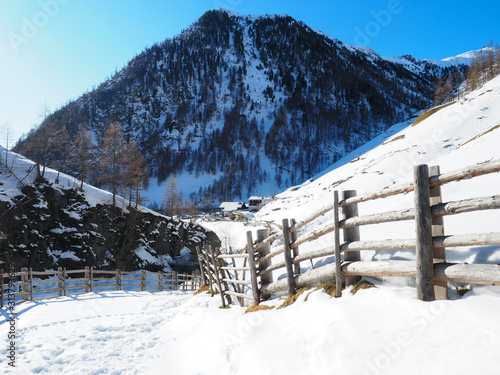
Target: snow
column 377, row 331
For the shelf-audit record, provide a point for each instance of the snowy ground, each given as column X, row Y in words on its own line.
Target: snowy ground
column 377, row 331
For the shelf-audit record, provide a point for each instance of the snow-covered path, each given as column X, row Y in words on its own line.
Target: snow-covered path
column 377, row 331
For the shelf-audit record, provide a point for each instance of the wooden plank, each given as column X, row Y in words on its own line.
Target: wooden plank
column 438, row 253
column 384, row 193
column 487, row 274
column 288, row 258
column 314, row 235
column 104, row 272
column 466, row 205
column 253, row 269
column 423, row 228
column 239, row 295
column 271, row 268
column 230, row 256
column 212, row 255
column 338, row 264
column 472, row 239
column 269, row 240
column 327, row 251
column 311, row 218
column 230, row 268
column 237, row 281
column 271, row 255
column 389, row 244
column 465, row 173
column 49, row 290
column 350, row 234
column 385, row 217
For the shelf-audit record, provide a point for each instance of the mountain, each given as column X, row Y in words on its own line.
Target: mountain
column 49, row 223
column 241, row 105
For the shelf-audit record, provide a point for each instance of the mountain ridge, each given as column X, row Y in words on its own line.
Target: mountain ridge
column 231, row 97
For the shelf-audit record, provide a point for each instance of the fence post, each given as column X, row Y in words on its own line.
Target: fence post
column 439, row 254
column 253, row 269
column 288, row 258
column 118, row 279
column 338, row 264
column 64, row 281
column 350, row 234
column 209, row 271
column 160, row 277
column 143, row 280
column 1, row 289
column 60, row 281
column 24, row 278
column 423, row 226
column 211, row 251
column 266, row 279
column 87, row 279
column 31, row 283
column 91, row 279
column 200, row 261
column 295, row 249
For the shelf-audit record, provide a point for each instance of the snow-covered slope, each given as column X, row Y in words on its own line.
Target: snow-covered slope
column 458, row 135
column 49, row 223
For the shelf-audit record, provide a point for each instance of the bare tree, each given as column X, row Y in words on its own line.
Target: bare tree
column 111, row 158
column 83, row 155
column 172, row 197
column 135, row 172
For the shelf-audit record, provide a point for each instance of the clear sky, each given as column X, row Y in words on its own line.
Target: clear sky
column 52, row 51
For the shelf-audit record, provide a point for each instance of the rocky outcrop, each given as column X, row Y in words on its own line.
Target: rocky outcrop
column 48, row 227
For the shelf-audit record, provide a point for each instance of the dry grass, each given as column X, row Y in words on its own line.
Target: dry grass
column 480, row 135
column 329, row 288
column 430, row 112
column 362, row 284
column 254, row 308
column 203, row 288
column 290, row 300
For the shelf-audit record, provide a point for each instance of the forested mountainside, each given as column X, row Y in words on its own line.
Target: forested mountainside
column 250, row 101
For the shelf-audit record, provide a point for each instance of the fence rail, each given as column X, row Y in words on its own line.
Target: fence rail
column 28, row 283
column 430, row 270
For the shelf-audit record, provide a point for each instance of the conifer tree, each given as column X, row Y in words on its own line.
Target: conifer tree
column 83, row 156
column 111, row 158
column 172, row 197
column 134, row 171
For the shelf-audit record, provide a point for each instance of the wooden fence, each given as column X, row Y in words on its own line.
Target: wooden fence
column 430, row 269
column 25, row 285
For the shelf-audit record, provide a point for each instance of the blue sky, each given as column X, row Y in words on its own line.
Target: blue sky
column 52, row 51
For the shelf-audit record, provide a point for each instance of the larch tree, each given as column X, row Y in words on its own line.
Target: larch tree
column 83, row 155
column 135, row 173
column 111, row 158
column 172, row 197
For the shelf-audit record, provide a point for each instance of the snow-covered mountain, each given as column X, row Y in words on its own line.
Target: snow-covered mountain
column 454, row 136
column 49, row 223
column 241, row 105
